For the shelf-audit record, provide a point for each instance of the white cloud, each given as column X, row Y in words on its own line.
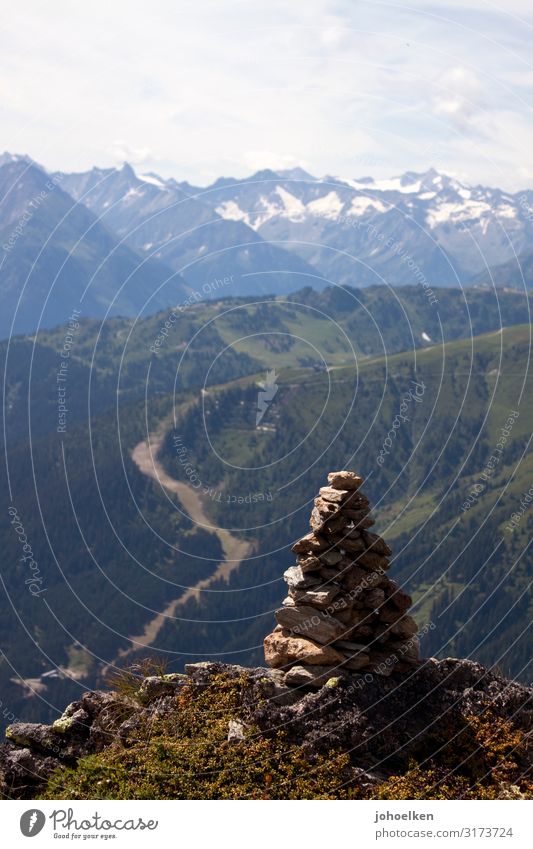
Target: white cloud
column 198, row 90
column 123, row 152
column 257, row 159
column 460, row 96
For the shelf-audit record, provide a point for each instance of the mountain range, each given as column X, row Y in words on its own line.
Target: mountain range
column 111, row 240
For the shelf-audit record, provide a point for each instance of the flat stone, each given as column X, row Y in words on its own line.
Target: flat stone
column 347, row 544
column 357, row 661
column 361, row 524
column 400, row 599
column 354, row 578
column 311, row 676
column 308, row 563
column 308, row 621
column 316, row 598
column 408, row 650
column 309, row 544
column 338, row 496
column 297, row 579
column 331, row 557
column 404, row 627
column 283, row 648
column 373, row 598
column 382, row 663
column 376, row 544
column 326, row 509
column 353, row 647
column 344, row 480
column 388, row 613
column 371, row 560
column 333, row 526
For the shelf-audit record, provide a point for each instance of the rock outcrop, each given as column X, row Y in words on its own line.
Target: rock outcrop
column 342, row 610
column 382, row 724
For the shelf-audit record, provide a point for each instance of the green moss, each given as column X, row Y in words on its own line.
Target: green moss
column 187, row 755
column 62, row 724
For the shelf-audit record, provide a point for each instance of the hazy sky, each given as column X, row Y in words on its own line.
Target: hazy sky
column 206, row 88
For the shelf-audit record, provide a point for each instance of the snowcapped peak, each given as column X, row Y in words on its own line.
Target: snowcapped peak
column 296, row 174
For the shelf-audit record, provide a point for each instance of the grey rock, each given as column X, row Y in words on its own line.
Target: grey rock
column 299, row 580
column 235, row 731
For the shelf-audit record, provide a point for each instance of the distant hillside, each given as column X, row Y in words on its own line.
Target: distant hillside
column 57, row 257
column 516, row 273
column 218, row 341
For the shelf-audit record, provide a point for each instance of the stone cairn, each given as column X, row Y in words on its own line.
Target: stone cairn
column 342, row 612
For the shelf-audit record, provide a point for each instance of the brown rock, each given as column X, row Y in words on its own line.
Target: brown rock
column 356, row 661
column 373, row 598
column 308, row 563
column 354, row 578
column 310, row 544
column 389, row 614
column 311, row 676
column 333, row 526
column 376, row 544
column 404, row 628
column 282, row 648
column 344, row 480
column 338, row 496
column 370, row 560
column 408, row 650
column 398, row 597
column 331, row 557
column 309, row 622
column 326, row 509
column 347, row 544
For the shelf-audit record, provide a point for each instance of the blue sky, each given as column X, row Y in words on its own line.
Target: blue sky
column 201, row 89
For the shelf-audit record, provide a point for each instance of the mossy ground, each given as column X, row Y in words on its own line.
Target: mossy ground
column 183, row 752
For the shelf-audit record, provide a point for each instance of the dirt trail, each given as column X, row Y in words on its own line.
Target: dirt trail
column 144, row 455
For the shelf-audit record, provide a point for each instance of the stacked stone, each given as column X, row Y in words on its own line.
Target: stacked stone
column 342, row 610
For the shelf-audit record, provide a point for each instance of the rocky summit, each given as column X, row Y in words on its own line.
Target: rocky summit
column 342, row 610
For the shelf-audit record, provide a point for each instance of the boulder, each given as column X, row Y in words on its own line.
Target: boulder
column 344, row 480
column 283, row 649
column 308, row 621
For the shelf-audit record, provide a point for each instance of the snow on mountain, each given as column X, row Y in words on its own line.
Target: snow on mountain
column 408, row 228
column 449, row 230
